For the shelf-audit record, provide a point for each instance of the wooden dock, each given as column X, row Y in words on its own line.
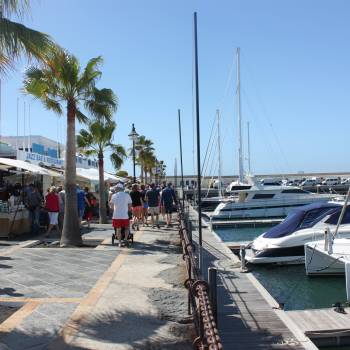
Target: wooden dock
column 325, row 327
column 248, row 317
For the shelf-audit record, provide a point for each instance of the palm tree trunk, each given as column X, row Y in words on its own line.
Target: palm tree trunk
column 102, row 208
column 71, row 235
column 145, row 175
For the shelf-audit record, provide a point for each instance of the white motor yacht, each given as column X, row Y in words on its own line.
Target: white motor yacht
column 266, row 202
column 284, row 243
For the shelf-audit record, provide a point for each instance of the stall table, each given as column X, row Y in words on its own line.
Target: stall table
column 14, row 223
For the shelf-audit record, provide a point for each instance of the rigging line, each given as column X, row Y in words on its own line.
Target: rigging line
column 266, row 116
column 213, row 141
column 208, row 144
column 262, row 129
column 212, row 161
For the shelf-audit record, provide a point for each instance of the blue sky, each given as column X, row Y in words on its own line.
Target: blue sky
column 295, row 75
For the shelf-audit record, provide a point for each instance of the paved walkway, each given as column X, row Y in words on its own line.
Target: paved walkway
column 96, row 298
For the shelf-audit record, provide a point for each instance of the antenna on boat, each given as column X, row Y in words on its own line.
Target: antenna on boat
column 239, row 117
column 219, row 151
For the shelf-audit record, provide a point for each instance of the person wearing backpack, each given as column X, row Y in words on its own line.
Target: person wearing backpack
column 33, row 203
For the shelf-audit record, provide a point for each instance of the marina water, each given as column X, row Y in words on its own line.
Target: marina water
column 289, row 284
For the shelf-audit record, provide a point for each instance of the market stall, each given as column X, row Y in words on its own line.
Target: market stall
column 15, row 174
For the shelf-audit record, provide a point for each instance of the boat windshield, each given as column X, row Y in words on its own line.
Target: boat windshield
column 300, row 219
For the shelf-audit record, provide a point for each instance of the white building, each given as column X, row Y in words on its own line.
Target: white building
column 40, row 150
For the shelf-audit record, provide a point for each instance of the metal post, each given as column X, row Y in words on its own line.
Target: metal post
column 212, row 281
column 133, row 159
column 198, row 145
column 182, row 170
column 240, row 148
column 249, row 169
column 242, row 254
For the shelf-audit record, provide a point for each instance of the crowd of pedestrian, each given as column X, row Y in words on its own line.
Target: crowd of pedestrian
column 48, row 209
column 134, row 204
column 131, row 206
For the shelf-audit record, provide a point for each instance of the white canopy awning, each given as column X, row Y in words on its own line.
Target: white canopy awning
column 16, row 163
column 92, row 174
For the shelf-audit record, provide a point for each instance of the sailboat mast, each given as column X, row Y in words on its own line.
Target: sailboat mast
column 249, row 170
column 239, row 117
column 219, row 150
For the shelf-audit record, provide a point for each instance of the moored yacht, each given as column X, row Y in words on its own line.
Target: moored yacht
column 284, row 243
column 266, row 202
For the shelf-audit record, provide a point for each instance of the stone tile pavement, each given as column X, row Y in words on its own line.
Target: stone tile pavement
column 101, row 298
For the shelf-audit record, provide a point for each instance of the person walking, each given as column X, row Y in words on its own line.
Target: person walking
column 81, row 203
column 153, row 200
column 62, row 198
column 33, row 203
column 52, row 205
column 121, row 205
column 136, row 206
column 90, row 202
column 168, row 200
column 145, row 205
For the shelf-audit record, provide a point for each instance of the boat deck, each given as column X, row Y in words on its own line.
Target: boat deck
column 242, row 223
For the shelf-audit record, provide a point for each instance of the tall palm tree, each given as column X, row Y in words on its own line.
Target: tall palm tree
column 15, row 38
column 143, row 147
column 150, row 161
column 95, row 141
column 61, row 84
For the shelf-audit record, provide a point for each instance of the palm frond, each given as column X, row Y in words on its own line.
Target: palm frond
column 15, row 39
column 17, row 7
column 102, row 104
column 82, row 118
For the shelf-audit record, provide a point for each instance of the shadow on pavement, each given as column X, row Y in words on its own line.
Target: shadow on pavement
column 141, row 331
column 10, row 292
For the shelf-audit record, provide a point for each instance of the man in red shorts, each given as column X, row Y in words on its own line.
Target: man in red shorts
column 121, row 204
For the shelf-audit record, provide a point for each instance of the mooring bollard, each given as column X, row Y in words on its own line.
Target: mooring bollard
column 326, row 234
column 212, row 281
column 242, row 254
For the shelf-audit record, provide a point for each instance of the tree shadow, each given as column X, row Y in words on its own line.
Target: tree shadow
column 11, row 292
column 103, row 330
column 141, row 331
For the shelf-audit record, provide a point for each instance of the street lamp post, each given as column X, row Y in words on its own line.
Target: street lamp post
column 133, row 136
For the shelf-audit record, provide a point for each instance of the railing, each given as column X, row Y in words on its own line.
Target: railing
column 199, row 296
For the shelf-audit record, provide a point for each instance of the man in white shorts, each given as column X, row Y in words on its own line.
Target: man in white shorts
column 121, row 204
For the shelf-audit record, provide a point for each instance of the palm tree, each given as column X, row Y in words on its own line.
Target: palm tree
column 15, row 38
column 150, row 162
column 143, row 147
column 60, row 84
column 95, row 141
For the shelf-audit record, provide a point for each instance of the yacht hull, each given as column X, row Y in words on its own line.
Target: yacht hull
column 318, row 262
column 280, row 256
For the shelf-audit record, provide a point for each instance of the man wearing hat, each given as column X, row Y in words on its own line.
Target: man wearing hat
column 121, row 204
